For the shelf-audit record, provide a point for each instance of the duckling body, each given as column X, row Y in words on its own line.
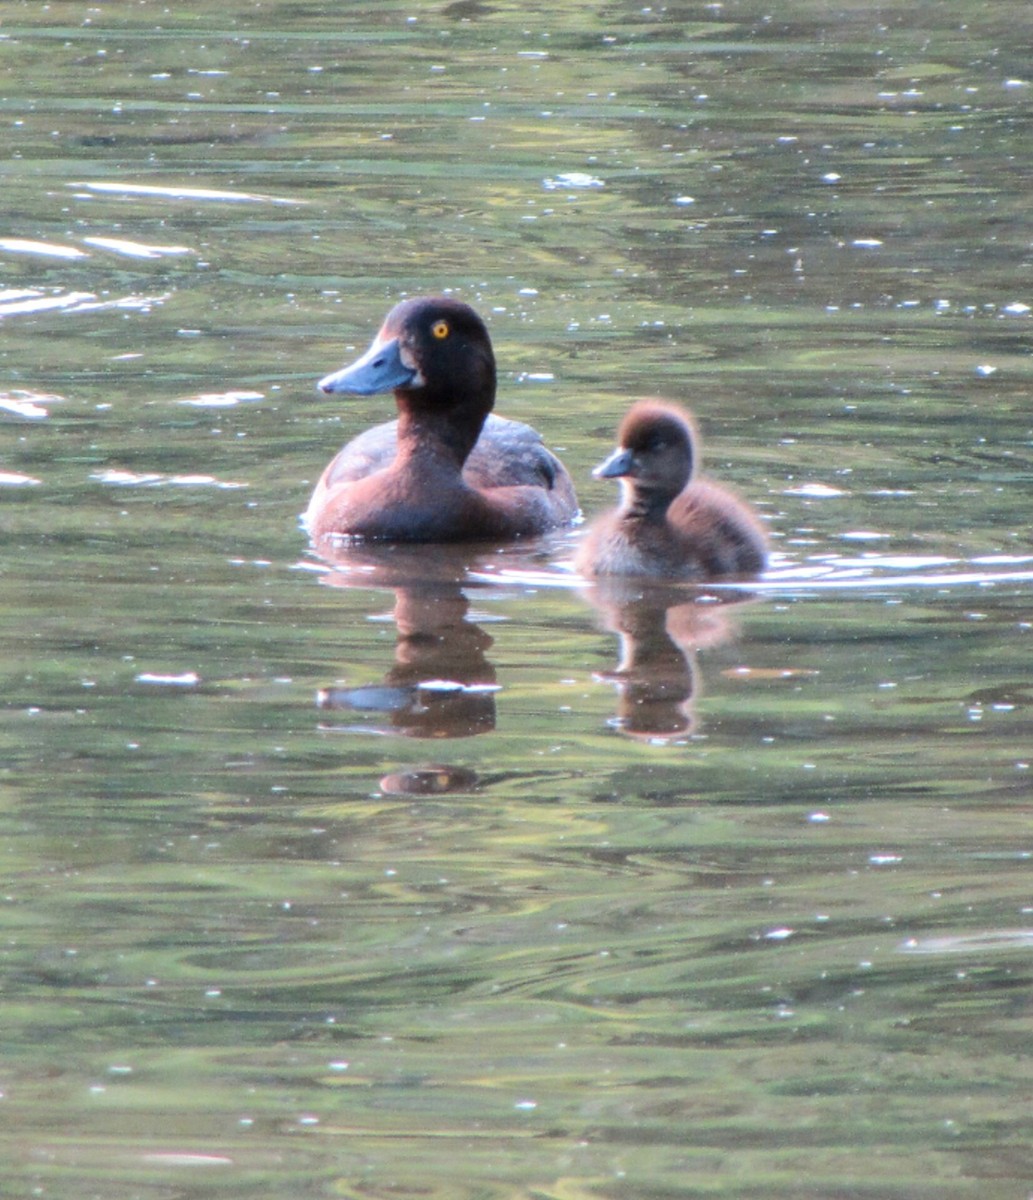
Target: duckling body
column 669, row 525
column 448, row 469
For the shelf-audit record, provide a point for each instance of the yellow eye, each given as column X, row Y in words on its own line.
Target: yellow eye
column 440, row 330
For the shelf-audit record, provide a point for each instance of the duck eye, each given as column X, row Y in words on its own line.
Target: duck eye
column 440, row 330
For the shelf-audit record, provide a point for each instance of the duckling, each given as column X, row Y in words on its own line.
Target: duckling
column 670, row 524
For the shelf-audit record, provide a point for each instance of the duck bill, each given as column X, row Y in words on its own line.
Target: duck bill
column 380, row 369
column 620, row 463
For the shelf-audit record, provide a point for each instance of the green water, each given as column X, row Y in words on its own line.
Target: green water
column 752, row 917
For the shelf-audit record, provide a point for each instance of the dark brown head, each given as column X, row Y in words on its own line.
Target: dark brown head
column 655, row 454
column 433, row 352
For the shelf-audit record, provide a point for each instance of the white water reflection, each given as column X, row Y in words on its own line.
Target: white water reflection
column 124, row 246
column 133, row 249
column 33, row 300
column 45, row 249
column 175, row 192
column 118, row 478
column 815, row 491
column 159, row 679
column 13, row 303
column 894, row 570
column 222, row 399
column 968, row 943
column 30, row 406
column 822, row 571
column 572, row 180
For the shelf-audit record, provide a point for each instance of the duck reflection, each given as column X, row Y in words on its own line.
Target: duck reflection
column 661, row 629
column 429, row 779
column 442, row 684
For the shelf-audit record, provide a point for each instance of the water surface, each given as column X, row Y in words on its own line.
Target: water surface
column 423, row 874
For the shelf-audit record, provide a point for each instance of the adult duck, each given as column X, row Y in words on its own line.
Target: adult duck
column 671, row 523
column 447, row 470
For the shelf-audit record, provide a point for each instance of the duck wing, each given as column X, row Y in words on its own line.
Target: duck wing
column 507, row 454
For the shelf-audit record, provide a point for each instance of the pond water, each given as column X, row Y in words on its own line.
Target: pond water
column 431, row 873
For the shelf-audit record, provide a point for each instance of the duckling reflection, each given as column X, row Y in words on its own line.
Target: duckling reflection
column 661, row 629
column 442, row 684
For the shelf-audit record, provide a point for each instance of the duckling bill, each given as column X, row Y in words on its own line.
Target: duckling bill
column 670, row 523
column 448, row 469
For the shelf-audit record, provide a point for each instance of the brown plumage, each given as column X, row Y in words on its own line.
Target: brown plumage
column 670, row 524
column 446, row 470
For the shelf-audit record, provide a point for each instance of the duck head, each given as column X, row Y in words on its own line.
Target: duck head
column 655, row 455
column 431, row 351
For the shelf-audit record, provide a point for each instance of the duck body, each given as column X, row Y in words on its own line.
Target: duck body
column 447, row 469
column 669, row 524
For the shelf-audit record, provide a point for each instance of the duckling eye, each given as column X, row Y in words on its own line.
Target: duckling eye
column 440, row 330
